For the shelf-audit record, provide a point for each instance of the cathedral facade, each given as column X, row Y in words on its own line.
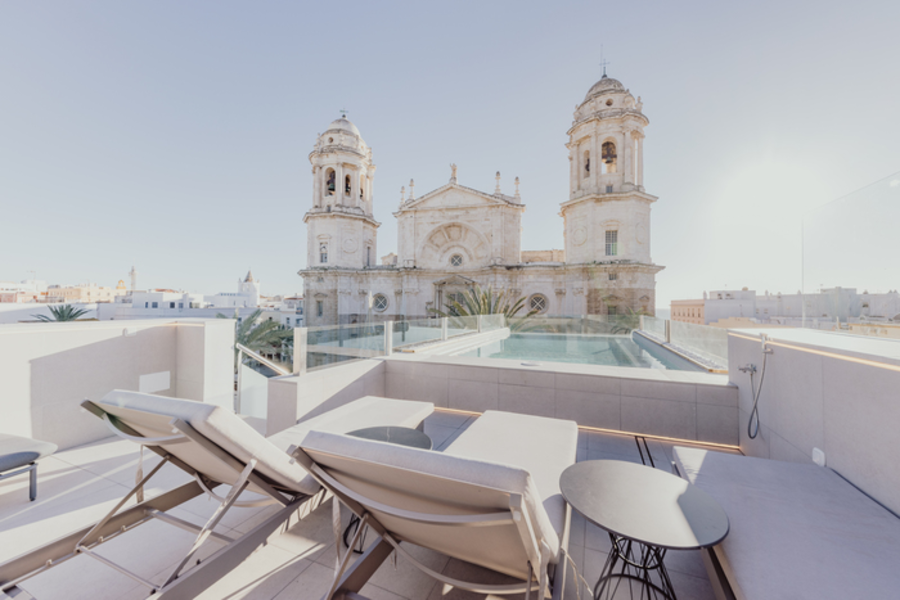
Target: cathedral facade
column 455, row 237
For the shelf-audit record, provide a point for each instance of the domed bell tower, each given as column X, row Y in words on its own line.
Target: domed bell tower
column 342, row 231
column 607, row 215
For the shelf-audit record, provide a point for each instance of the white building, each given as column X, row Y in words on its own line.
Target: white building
column 455, row 236
column 170, row 303
column 823, row 307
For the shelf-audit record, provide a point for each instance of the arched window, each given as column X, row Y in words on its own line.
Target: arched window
column 608, row 157
column 329, row 182
column 323, row 253
column 587, row 163
column 347, row 185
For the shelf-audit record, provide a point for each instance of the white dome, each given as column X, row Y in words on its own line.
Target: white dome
column 343, row 124
column 606, row 84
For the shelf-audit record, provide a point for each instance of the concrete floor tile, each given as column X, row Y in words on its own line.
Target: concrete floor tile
column 407, row 580
column 312, row 583
column 262, row 576
column 464, row 571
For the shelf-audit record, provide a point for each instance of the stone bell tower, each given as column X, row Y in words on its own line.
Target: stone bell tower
column 607, row 215
column 341, row 229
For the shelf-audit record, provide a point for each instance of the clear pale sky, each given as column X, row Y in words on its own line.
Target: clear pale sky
column 173, row 136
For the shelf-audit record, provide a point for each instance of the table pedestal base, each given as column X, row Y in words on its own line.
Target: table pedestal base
column 639, row 566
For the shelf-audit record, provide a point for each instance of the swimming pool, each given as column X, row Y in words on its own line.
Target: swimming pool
column 610, row 350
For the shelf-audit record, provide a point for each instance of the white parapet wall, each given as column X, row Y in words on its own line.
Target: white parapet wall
column 677, row 404
column 836, row 392
column 47, row 369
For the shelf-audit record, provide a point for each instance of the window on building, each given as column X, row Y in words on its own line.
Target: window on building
column 320, row 308
column 156, row 305
column 323, row 253
column 608, row 157
column 613, row 276
column 368, row 256
column 181, row 305
column 146, row 305
column 538, row 302
column 609, row 189
column 611, row 311
column 587, row 163
column 457, row 297
column 347, row 185
column 171, row 305
column 612, row 242
column 456, row 260
column 379, row 302
column 361, row 187
column 329, row 182
column 287, row 321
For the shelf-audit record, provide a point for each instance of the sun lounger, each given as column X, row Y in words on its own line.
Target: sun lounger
column 491, row 498
column 19, row 455
column 218, row 449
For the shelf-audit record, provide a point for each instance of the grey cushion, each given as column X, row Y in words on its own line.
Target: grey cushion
column 16, row 451
column 797, row 530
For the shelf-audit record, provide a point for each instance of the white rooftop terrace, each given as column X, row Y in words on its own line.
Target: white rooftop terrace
column 78, row 486
column 831, row 392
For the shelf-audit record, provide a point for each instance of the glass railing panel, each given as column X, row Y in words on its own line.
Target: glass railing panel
column 654, row 326
column 339, row 343
column 416, row 331
column 462, row 325
column 710, row 343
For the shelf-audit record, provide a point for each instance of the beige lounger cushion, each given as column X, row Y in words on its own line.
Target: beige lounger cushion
column 368, row 411
column 797, row 530
column 150, row 415
column 437, row 483
column 542, row 446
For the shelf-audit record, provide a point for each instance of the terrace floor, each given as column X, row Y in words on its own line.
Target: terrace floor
column 78, row 486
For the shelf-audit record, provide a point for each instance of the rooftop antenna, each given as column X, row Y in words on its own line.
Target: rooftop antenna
column 603, row 62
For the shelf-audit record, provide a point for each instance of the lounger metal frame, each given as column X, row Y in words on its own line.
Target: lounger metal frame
column 31, row 469
column 180, row 583
column 348, row 582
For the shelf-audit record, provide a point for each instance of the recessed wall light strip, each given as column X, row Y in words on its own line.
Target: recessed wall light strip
column 844, row 357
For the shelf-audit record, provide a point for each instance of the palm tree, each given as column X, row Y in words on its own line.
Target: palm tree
column 485, row 301
column 66, row 312
column 625, row 324
column 259, row 336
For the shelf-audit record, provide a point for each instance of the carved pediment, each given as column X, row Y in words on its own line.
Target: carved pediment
column 456, row 280
column 453, row 195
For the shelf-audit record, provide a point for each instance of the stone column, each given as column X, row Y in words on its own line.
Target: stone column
column 573, row 171
column 339, row 184
column 627, row 154
column 317, row 186
column 596, row 161
column 640, row 161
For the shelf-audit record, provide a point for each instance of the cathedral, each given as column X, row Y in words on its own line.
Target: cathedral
column 455, row 236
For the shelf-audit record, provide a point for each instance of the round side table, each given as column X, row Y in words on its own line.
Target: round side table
column 646, row 511
column 403, row 436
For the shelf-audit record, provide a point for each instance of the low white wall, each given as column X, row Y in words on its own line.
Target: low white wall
column 681, row 404
column 294, row 398
column 686, row 405
column 47, row 369
column 813, row 397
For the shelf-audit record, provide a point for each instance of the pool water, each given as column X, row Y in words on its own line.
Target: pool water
column 610, row 350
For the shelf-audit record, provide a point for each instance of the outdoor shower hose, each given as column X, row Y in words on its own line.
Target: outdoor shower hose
column 752, row 431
